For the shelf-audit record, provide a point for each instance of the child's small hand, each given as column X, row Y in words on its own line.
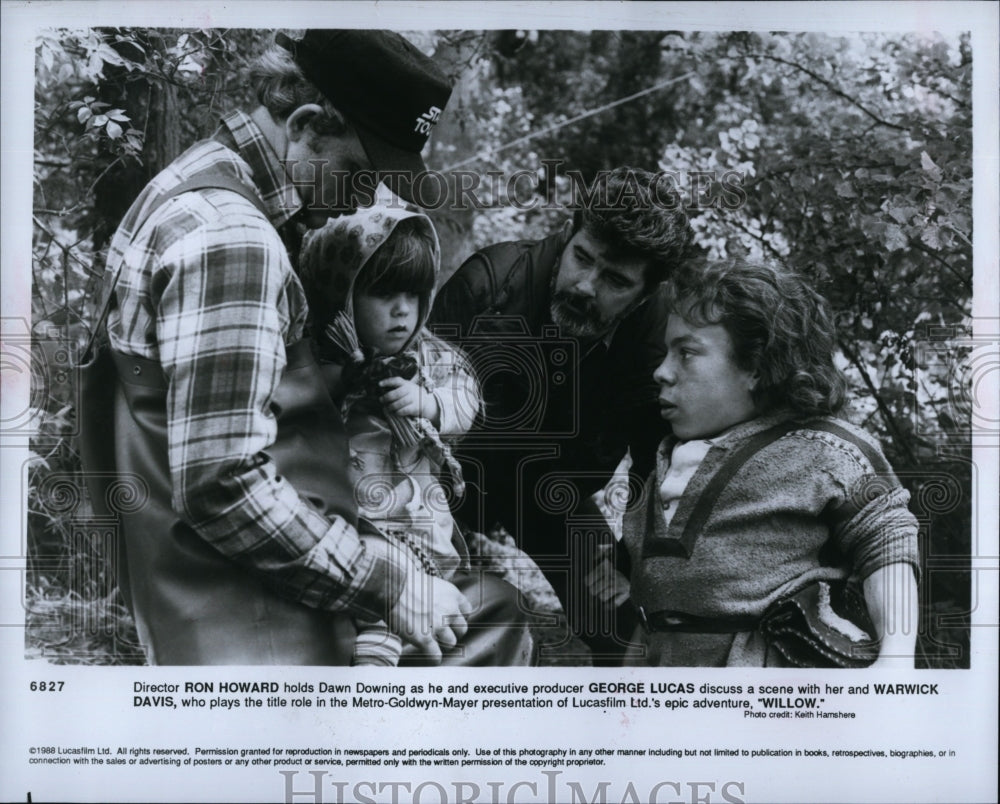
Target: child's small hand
column 406, row 398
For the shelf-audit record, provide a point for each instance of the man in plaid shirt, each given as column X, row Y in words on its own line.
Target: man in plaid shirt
column 233, row 565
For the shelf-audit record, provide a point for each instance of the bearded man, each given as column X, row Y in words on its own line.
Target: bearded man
column 565, row 334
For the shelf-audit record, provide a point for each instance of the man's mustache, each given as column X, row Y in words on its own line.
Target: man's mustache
column 579, row 305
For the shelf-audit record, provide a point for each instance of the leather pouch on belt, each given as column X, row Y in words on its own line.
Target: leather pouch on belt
column 826, row 624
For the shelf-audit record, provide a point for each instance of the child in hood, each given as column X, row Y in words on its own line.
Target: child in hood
column 370, row 278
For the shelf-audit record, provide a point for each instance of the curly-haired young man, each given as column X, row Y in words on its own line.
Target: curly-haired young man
column 771, row 532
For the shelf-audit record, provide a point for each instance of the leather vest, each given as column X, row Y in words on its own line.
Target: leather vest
column 193, row 605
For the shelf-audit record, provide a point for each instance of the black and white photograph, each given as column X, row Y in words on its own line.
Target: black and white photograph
column 643, row 358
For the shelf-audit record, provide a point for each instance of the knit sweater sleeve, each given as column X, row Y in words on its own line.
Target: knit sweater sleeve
column 881, row 533
column 869, row 516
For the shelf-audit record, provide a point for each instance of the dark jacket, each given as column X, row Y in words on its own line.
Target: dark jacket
column 555, row 411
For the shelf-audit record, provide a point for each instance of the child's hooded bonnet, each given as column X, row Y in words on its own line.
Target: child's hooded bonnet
column 334, row 256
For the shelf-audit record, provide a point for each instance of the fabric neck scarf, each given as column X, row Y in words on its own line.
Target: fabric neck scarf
column 362, row 373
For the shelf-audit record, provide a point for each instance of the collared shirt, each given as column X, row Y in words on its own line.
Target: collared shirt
column 681, row 463
column 207, row 291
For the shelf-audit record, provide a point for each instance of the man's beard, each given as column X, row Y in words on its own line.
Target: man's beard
column 578, row 317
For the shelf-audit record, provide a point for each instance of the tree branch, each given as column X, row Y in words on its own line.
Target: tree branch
column 887, row 417
column 62, row 246
column 830, row 86
column 966, row 281
column 739, row 225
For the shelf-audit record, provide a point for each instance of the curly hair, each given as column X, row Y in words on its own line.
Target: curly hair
column 779, row 325
column 281, row 88
column 637, row 214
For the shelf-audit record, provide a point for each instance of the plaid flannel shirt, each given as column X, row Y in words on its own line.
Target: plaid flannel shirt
column 207, row 291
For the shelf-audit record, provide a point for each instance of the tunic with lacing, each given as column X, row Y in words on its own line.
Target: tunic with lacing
column 813, row 505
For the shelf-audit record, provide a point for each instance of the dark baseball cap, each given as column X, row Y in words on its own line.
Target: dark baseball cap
column 391, row 92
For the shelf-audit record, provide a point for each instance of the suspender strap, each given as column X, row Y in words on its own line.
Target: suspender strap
column 706, row 502
column 878, row 462
column 211, row 178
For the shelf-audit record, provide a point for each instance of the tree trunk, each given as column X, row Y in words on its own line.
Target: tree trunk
column 154, row 109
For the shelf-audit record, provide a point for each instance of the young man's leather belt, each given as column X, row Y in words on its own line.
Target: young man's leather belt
column 668, row 620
